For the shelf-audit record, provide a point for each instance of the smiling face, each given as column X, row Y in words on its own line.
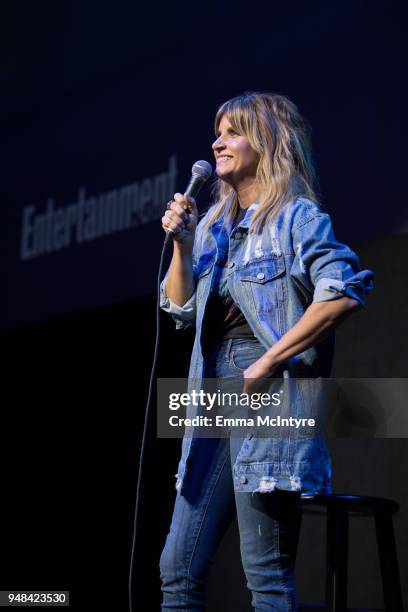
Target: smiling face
column 236, row 159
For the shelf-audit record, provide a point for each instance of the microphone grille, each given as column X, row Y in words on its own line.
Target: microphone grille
column 202, row 168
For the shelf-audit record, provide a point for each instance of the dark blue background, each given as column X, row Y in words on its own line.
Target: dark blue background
column 100, row 96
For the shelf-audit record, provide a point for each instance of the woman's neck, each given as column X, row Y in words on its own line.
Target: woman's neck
column 247, row 195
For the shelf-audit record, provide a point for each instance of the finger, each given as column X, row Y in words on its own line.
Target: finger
column 187, row 202
column 175, row 217
column 192, row 203
column 178, row 197
column 169, row 225
column 168, row 222
column 165, row 226
column 177, row 208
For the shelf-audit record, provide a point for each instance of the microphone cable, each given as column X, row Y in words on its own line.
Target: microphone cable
column 200, row 173
column 146, row 421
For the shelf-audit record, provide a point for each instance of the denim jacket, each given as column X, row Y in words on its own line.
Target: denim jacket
column 275, row 275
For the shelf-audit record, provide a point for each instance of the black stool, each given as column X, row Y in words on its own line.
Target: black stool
column 338, row 509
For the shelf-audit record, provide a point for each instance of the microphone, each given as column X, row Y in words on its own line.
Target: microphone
column 200, row 173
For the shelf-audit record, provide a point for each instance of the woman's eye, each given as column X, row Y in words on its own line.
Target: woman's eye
column 230, row 133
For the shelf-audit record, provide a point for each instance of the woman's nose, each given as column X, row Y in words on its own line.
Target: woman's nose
column 217, row 144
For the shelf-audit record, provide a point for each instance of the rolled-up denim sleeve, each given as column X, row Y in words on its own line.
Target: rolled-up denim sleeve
column 325, row 267
column 184, row 316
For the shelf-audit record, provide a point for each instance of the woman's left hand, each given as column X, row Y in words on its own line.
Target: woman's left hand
column 260, row 369
column 317, row 322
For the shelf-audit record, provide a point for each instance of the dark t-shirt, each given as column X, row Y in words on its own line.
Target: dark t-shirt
column 225, row 318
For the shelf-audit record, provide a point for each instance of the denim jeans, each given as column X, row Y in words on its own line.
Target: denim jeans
column 268, row 523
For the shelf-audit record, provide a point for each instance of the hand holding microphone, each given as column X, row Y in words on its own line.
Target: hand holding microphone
column 180, row 218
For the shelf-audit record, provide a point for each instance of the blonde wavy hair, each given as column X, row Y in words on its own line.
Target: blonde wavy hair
column 281, row 137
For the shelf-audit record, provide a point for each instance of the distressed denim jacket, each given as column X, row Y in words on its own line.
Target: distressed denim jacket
column 275, row 276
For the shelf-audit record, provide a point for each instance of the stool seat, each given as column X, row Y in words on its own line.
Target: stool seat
column 359, row 504
column 338, row 508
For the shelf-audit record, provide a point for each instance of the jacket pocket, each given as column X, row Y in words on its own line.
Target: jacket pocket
column 265, row 283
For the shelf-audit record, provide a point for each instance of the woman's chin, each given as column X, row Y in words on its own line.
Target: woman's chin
column 224, row 176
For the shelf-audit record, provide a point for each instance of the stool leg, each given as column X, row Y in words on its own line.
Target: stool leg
column 388, row 562
column 336, row 559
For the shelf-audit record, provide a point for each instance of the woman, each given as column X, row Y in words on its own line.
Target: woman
column 265, row 282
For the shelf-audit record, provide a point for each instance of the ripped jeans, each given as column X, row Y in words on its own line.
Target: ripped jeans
column 268, row 523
